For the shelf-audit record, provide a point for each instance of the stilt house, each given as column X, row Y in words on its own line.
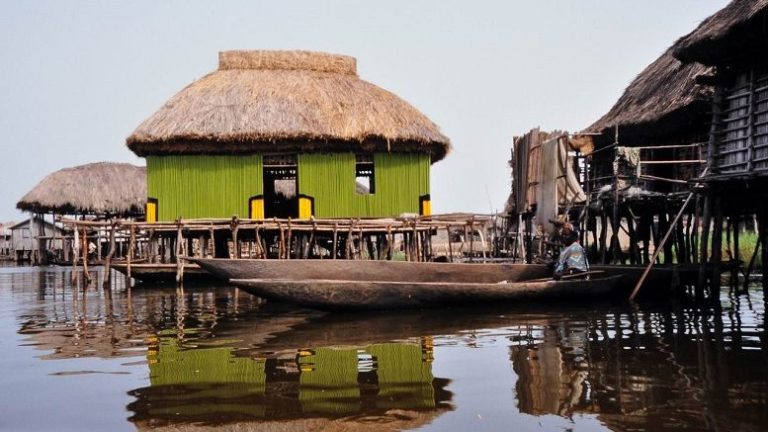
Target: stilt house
column 734, row 43
column 95, row 191
column 286, row 134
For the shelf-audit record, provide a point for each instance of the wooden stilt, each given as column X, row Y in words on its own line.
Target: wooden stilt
column 234, row 227
column 717, row 242
column 179, row 261
column 110, row 254
column 75, row 244
column 129, row 256
column 288, row 242
column 84, row 251
column 335, row 240
column 704, row 243
column 450, row 247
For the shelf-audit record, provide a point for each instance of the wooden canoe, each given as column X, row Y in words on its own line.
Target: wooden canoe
column 366, row 270
column 162, row 272
column 365, row 295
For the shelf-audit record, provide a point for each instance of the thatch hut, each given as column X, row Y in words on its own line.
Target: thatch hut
column 735, row 42
column 99, row 189
column 228, row 143
column 736, row 32
column 664, row 115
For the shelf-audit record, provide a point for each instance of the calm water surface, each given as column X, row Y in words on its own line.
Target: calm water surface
column 211, row 357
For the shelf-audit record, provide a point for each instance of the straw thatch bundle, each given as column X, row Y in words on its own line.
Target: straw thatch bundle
column 285, row 101
column 98, row 188
column 738, row 29
column 663, row 99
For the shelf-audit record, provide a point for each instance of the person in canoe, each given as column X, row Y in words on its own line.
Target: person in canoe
column 573, row 258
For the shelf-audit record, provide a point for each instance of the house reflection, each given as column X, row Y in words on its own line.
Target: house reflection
column 192, row 381
column 657, row 371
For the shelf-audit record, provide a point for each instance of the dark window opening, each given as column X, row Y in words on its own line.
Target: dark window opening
column 280, row 186
column 365, row 178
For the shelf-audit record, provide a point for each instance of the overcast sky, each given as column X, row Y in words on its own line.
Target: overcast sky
column 76, row 77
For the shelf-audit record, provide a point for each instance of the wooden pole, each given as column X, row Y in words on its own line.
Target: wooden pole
column 704, row 242
column 450, row 247
column 335, row 240
column 179, row 251
column 235, row 243
column 288, row 242
column 110, row 254
column 75, row 244
column 84, row 251
column 261, row 252
column 131, row 245
column 658, row 249
column 717, row 241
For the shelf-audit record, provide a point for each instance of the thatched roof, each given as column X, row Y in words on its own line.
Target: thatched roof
column 285, row 101
column 663, row 99
column 741, row 28
column 97, row 188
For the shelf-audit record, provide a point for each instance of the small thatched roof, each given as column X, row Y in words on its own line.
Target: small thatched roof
column 663, row 99
column 285, row 101
column 739, row 29
column 97, row 188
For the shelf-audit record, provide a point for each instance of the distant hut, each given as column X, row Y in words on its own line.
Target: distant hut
column 28, row 238
column 734, row 42
column 286, row 134
column 99, row 189
column 96, row 190
column 5, row 239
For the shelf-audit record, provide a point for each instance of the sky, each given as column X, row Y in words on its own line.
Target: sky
column 77, row 77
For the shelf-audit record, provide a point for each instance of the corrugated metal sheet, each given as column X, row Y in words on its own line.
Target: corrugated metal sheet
column 203, row 186
column 742, row 141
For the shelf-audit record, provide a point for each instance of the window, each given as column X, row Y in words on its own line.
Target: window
column 365, row 183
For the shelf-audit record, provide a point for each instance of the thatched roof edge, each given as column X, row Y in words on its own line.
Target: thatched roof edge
column 665, row 94
column 97, row 188
column 280, row 101
column 725, row 33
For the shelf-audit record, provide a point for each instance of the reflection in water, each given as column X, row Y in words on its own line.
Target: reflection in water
column 214, row 355
column 651, row 370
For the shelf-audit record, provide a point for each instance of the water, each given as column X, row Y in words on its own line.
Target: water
column 199, row 358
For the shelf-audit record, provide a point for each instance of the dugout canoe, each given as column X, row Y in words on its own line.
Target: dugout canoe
column 163, row 272
column 372, row 294
column 369, row 270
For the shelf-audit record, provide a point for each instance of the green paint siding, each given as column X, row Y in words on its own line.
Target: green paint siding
column 400, row 180
column 203, row 186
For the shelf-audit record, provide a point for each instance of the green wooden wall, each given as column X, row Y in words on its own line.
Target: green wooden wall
column 400, row 180
column 203, row 186
column 220, row 186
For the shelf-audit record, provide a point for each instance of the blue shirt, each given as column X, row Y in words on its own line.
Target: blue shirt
column 572, row 257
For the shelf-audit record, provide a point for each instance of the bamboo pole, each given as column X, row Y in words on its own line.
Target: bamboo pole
column 289, row 240
column 75, row 244
column 84, row 247
column 658, row 249
column 235, row 243
column 110, row 254
column 179, row 260
column 131, row 245
column 261, row 252
column 335, row 239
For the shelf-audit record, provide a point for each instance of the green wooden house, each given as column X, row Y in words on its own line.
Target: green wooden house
column 286, row 134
